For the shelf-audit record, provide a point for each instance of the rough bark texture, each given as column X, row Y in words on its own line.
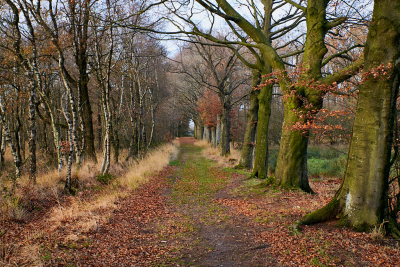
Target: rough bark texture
column 87, row 112
column 32, row 136
column 291, row 170
column 67, row 187
column 8, row 138
column 260, row 169
column 225, row 125
column 361, row 201
column 246, row 157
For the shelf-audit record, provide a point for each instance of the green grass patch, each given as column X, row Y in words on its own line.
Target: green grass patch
column 326, row 167
column 199, row 177
column 174, row 163
column 321, row 160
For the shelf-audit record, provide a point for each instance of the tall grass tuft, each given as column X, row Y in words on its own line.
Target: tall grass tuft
column 214, row 153
column 139, row 171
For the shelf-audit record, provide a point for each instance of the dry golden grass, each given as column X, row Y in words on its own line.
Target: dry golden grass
column 50, row 179
column 202, row 143
column 214, row 153
column 30, row 256
column 85, row 215
column 153, row 162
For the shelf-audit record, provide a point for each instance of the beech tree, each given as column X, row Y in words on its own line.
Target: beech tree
column 257, row 36
column 362, row 199
column 301, row 95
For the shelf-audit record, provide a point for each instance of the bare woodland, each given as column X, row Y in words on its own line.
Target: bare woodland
column 92, row 86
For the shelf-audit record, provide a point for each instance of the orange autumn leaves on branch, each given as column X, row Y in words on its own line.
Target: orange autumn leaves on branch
column 209, row 108
column 324, row 122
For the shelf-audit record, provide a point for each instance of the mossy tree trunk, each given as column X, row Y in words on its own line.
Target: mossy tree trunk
column 225, row 122
column 306, row 96
column 291, row 170
column 260, row 169
column 361, row 201
column 213, row 137
column 264, row 97
column 246, row 157
column 314, row 59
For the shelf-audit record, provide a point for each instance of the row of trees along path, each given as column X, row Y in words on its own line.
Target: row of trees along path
column 362, row 200
column 197, row 213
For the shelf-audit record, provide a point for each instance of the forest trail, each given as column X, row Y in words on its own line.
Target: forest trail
column 209, row 235
column 196, row 213
column 176, row 220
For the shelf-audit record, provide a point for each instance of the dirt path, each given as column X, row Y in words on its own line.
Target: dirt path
column 174, row 220
column 211, row 236
column 195, row 213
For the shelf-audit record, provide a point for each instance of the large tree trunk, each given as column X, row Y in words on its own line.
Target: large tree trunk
column 200, row 131
column 205, row 133
column 260, row 169
column 90, row 149
column 361, row 202
column 291, row 169
column 246, row 157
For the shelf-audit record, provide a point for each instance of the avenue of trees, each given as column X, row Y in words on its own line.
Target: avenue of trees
column 83, row 77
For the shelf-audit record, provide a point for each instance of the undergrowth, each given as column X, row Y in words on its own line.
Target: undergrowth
column 322, row 161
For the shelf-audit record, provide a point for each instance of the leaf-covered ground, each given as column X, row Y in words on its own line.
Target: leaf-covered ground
column 195, row 213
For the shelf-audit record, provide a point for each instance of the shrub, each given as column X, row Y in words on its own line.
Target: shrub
column 105, row 179
column 326, row 167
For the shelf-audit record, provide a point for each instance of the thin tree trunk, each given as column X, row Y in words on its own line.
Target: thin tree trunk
column 225, row 126
column 117, row 124
column 2, row 146
column 218, row 130
column 67, row 187
column 8, row 138
column 134, row 138
column 32, row 136
column 99, row 126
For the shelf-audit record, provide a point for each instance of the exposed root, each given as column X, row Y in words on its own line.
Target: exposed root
column 328, row 212
column 393, row 228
